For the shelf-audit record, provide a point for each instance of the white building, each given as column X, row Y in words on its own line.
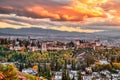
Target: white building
column 43, row 47
column 87, row 77
column 30, row 71
column 104, row 62
column 58, row 75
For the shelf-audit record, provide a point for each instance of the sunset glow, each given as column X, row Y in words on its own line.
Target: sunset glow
column 68, row 12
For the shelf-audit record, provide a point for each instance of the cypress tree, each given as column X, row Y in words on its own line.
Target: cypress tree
column 65, row 73
column 21, row 67
column 79, row 75
column 73, row 78
column 73, row 64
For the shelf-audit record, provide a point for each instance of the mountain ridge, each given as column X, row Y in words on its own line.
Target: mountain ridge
column 59, row 35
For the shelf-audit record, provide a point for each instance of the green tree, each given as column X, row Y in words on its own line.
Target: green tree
column 79, row 75
column 73, row 78
column 21, row 67
column 65, row 73
column 73, row 64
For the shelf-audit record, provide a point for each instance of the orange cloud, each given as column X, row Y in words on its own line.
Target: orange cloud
column 93, row 1
column 42, row 12
column 65, row 10
column 79, row 10
column 89, row 7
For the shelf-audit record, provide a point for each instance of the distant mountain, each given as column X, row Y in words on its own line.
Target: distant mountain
column 112, row 33
column 48, row 34
column 3, row 34
column 36, row 31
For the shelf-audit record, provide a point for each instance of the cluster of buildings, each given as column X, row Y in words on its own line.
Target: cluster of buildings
column 85, row 44
column 100, row 75
column 37, row 45
column 103, row 75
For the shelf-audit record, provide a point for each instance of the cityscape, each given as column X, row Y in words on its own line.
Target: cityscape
column 59, row 40
column 56, row 60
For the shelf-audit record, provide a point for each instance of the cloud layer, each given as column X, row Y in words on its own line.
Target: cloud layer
column 78, row 15
column 60, row 10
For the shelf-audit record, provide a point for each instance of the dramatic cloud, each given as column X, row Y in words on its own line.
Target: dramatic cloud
column 61, row 10
column 77, row 15
column 14, row 21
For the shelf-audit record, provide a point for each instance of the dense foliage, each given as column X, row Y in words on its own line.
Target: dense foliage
column 57, row 60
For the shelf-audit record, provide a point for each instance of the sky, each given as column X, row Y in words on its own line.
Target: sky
column 64, row 15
